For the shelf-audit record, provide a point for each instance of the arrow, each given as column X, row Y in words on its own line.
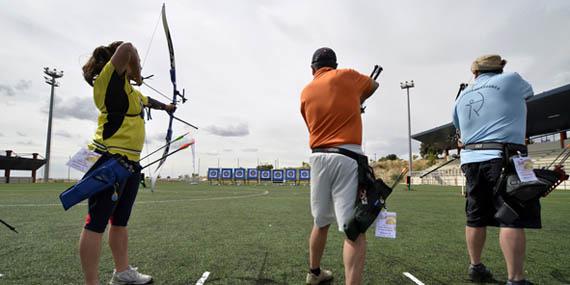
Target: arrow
column 184, row 146
column 156, row 150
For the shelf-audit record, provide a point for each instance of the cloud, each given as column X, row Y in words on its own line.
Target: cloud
column 157, row 138
column 236, row 130
column 9, row 90
column 1, row 134
column 23, row 85
column 6, row 90
column 250, row 150
column 76, row 108
column 64, row 134
column 228, row 150
column 21, row 134
column 26, row 143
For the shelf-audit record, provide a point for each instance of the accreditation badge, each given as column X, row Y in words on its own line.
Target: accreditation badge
column 524, row 168
column 83, row 160
column 386, row 225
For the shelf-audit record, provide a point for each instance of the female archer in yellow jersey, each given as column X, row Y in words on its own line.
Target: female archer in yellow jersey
column 120, row 131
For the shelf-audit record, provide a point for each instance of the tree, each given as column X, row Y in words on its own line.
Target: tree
column 305, row 165
column 265, row 167
column 428, row 149
column 389, row 157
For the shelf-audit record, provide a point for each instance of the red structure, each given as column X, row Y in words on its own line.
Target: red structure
column 10, row 162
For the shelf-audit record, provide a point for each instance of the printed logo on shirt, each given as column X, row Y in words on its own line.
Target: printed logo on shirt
column 475, row 105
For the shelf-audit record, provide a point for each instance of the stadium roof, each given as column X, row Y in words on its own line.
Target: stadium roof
column 20, row 163
column 548, row 112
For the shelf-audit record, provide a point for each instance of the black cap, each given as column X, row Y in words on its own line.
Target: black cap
column 324, row 55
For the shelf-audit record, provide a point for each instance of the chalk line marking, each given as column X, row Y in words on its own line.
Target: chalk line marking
column 203, row 279
column 150, row 202
column 413, row 278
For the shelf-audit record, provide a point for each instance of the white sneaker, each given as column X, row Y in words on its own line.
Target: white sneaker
column 130, row 276
column 313, row 279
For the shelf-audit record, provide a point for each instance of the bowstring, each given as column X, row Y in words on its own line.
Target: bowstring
column 148, row 47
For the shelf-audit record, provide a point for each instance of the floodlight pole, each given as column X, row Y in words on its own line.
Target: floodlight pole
column 51, row 80
column 407, row 85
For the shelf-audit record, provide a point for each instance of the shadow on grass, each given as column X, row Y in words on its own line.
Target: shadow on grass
column 556, row 274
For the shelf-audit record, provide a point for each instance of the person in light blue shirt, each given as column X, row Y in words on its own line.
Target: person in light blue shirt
column 492, row 109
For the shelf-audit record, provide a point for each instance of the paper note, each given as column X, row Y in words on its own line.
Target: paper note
column 386, row 225
column 523, row 166
column 83, row 160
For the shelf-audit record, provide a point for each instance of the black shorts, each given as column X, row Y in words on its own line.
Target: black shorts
column 102, row 208
column 481, row 203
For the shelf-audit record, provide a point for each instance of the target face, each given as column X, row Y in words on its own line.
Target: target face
column 252, row 174
column 304, row 174
column 277, row 175
column 227, row 173
column 213, row 173
column 239, row 173
column 265, row 174
column 291, row 174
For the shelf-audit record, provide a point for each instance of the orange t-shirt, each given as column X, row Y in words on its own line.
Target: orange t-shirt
column 330, row 105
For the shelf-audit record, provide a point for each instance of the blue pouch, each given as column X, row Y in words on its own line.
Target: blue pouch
column 112, row 173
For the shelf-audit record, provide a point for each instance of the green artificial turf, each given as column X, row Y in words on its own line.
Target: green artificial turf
column 259, row 235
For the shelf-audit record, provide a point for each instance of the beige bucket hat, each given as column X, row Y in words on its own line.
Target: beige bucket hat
column 488, row 62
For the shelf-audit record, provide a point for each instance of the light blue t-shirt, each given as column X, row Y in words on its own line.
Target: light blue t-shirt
column 492, row 109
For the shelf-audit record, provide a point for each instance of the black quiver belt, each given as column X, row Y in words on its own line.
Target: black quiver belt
column 370, row 198
column 512, row 194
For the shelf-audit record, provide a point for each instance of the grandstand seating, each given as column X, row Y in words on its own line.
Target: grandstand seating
column 542, row 155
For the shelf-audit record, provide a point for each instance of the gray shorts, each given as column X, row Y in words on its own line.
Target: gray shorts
column 334, row 183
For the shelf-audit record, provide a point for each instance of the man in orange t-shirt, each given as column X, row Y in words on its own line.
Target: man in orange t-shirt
column 330, row 105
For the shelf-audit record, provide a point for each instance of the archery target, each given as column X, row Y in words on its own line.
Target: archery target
column 239, row 173
column 252, row 173
column 265, row 174
column 213, row 173
column 304, row 174
column 227, row 173
column 278, row 175
column 291, row 174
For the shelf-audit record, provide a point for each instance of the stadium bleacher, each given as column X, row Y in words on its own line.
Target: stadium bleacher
column 547, row 118
column 542, row 154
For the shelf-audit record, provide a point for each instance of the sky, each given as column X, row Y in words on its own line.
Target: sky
column 244, row 63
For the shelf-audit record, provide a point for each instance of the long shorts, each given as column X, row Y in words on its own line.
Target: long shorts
column 102, row 208
column 334, row 183
column 481, row 203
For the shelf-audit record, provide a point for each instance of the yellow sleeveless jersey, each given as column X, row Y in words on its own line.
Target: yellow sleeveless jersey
column 120, row 128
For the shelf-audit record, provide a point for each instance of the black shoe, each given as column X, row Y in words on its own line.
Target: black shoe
column 480, row 273
column 520, row 282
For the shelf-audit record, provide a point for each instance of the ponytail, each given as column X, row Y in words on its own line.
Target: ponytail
column 101, row 55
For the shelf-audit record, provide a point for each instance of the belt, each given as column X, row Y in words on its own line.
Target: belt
column 485, row 146
column 346, row 152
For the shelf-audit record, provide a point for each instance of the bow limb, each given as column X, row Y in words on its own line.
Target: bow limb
column 175, row 91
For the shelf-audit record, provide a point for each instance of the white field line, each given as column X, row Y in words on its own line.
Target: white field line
column 148, row 202
column 413, row 278
column 203, row 279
